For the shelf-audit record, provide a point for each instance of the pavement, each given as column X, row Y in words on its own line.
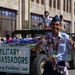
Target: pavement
column 71, row 72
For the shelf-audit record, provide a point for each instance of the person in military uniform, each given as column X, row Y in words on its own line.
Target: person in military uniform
column 46, row 21
column 55, row 43
column 62, row 23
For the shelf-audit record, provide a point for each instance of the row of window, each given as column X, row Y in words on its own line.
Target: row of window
column 42, row 1
column 66, row 4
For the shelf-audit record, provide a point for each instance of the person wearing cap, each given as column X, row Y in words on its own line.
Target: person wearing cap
column 57, row 42
column 62, row 23
column 46, row 21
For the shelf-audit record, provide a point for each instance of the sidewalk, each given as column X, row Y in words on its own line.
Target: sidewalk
column 71, row 72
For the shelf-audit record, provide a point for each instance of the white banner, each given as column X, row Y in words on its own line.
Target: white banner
column 15, row 59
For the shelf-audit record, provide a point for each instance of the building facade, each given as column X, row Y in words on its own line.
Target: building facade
column 23, row 14
column 8, row 14
column 33, row 11
column 56, row 7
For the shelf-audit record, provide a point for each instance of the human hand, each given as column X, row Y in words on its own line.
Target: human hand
column 34, row 25
column 70, row 41
column 48, row 58
column 45, row 25
column 39, row 24
column 42, row 40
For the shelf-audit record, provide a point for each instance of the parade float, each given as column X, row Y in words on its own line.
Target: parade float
column 17, row 54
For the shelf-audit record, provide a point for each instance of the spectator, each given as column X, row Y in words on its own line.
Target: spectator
column 46, row 21
column 7, row 35
column 2, row 40
column 62, row 23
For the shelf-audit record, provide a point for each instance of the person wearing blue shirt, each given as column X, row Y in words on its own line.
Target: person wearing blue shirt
column 55, row 43
column 46, row 21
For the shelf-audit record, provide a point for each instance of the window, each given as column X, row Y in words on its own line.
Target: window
column 70, row 6
column 7, row 21
column 67, row 5
column 35, row 19
column 42, row 2
column 64, row 5
column 54, row 3
column 6, row 26
column 32, row 0
column 13, row 26
column 58, row 4
column 0, row 27
column 0, row 13
column 69, row 9
column 50, row 3
column 37, row 1
column 74, row 8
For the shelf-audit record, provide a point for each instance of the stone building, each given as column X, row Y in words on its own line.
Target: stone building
column 22, row 14
column 8, row 16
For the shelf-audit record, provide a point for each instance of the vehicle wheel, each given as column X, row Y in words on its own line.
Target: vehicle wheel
column 37, row 66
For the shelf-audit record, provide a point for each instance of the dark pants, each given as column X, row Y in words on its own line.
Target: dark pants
column 48, row 70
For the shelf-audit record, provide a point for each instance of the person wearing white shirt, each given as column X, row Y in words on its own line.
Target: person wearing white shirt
column 46, row 21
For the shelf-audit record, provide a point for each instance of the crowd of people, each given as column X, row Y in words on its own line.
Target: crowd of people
column 47, row 21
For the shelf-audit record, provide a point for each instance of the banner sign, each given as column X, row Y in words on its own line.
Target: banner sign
column 15, row 59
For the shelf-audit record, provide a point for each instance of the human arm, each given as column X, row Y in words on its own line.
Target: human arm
column 38, row 45
column 39, row 24
column 46, row 28
column 71, row 43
